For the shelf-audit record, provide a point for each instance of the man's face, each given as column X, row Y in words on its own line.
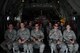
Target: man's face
column 62, row 24
column 56, row 26
column 49, row 24
column 36, row 26
column 68, row 27
column 30, row 23
column 10, row 26
column 22, row 25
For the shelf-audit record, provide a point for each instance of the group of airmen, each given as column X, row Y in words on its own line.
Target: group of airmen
column 24, row 40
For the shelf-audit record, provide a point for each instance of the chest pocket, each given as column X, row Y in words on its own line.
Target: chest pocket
column 37, row 34
column 22, row 34
column 10, row 35
column 55, row 35
column 69, row 35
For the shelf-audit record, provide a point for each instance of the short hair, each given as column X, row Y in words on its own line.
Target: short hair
column 10, row 24
column 55, row 23
column 37, row 23
column 68, row 24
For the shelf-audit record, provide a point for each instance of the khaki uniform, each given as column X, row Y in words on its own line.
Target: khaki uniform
column 73, row 48
column 27, row 48
column 10, row 37
column 54, row 36
column 35, row 35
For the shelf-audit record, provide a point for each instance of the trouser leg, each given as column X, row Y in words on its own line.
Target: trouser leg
column 25, row 46
column 42, row 46
column 5, row 47
column 15, row 48
column 53, row 48
column 30, row 48
column 76, row 46
column 63, row 49
column 70, row 47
